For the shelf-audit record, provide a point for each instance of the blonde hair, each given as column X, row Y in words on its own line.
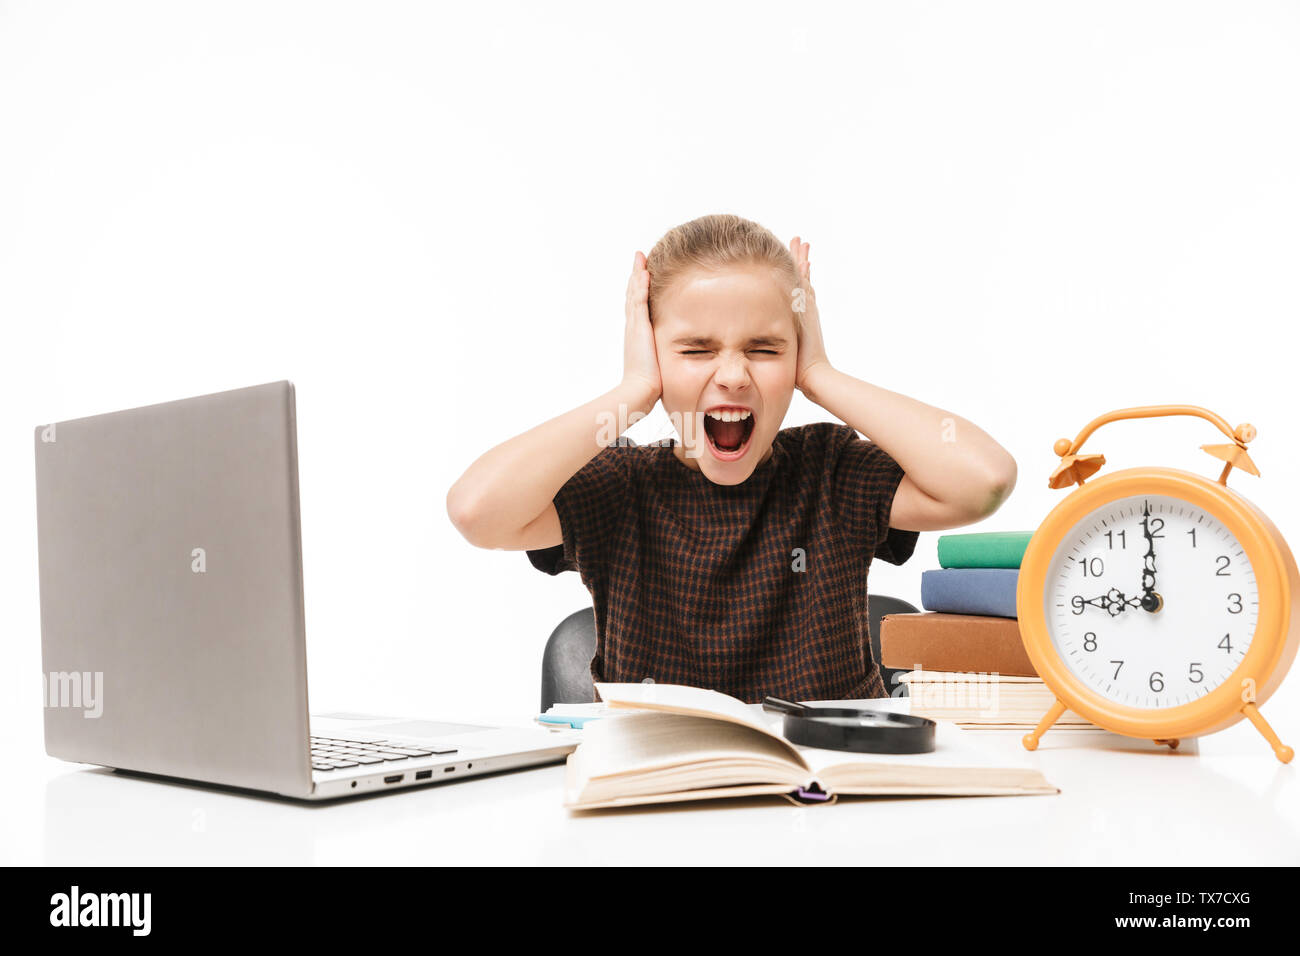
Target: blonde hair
column 715, row 242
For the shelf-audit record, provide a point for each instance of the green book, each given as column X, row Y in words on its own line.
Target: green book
column 988, row 549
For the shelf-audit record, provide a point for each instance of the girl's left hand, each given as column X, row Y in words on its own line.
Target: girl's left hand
column 812, row 350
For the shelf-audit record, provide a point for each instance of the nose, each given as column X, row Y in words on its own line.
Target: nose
column 732, row 373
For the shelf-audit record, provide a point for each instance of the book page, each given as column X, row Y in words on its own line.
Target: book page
column 706, row 793
column 640, row 741
column 646, row 752
column 959, row 763
column 680, row 699
column 965, row 677
column 953, row 747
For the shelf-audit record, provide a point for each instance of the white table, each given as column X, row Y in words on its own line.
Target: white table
column 1220, row 800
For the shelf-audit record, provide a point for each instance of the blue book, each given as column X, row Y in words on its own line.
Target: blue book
column 987, row 591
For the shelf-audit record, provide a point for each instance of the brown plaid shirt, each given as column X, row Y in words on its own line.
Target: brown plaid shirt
column 696, row 583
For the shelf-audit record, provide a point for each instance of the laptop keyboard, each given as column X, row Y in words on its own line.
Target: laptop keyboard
column 334, row 753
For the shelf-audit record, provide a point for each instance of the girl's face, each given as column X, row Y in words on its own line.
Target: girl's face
column 727, row 350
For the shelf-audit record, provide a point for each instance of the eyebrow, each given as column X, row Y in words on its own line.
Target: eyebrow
column 700, row 341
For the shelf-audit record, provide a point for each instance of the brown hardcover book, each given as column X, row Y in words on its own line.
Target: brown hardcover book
column 936, row 641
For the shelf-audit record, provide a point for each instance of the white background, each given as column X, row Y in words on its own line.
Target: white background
column 424, row 215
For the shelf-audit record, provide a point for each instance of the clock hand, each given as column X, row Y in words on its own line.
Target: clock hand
column 1113, row 602
column 1151, row 601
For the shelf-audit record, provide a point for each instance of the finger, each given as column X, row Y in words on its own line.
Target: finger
column 638, row 282
column 633, row 293
column 638, row 295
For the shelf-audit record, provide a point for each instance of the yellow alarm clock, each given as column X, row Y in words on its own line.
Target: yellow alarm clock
column 1155, row 602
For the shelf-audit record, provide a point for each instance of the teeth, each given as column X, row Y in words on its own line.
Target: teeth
column 729, row 416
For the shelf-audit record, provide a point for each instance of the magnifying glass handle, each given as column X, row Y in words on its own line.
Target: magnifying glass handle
column 777, row 705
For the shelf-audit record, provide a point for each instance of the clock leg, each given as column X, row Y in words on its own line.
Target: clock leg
column 1030, row 740
column 1284, row 753
column 1173, row 743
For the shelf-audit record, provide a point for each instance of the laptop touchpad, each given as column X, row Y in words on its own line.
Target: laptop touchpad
column 425, row 728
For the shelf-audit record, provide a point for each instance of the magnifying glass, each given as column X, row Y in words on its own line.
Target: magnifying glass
column 846, row 728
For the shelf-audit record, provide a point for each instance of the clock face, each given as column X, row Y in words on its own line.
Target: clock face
column 1151, row 602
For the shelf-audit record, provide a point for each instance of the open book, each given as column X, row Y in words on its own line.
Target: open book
column 686, row 743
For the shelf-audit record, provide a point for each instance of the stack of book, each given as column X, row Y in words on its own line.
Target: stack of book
column 964, row 655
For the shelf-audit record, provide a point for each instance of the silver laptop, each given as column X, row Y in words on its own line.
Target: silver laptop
column 172, row 629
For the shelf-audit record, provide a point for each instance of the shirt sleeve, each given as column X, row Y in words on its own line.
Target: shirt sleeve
column 865, row 480
column 590, row 505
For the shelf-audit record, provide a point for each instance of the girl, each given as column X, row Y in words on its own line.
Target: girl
column 737, row 558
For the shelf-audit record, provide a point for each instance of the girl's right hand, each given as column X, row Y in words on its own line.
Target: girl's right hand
column 640, row 361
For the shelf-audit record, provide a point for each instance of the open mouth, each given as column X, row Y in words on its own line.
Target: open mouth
column 729, row 431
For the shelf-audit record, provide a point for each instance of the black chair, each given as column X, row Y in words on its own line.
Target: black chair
column 878, row 606
column 566, row 662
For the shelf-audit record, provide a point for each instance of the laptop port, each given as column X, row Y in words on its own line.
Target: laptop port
column 423, row 774
column 396, row 778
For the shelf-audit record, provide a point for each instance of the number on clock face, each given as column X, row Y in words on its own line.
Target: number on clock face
column 1151, row 601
